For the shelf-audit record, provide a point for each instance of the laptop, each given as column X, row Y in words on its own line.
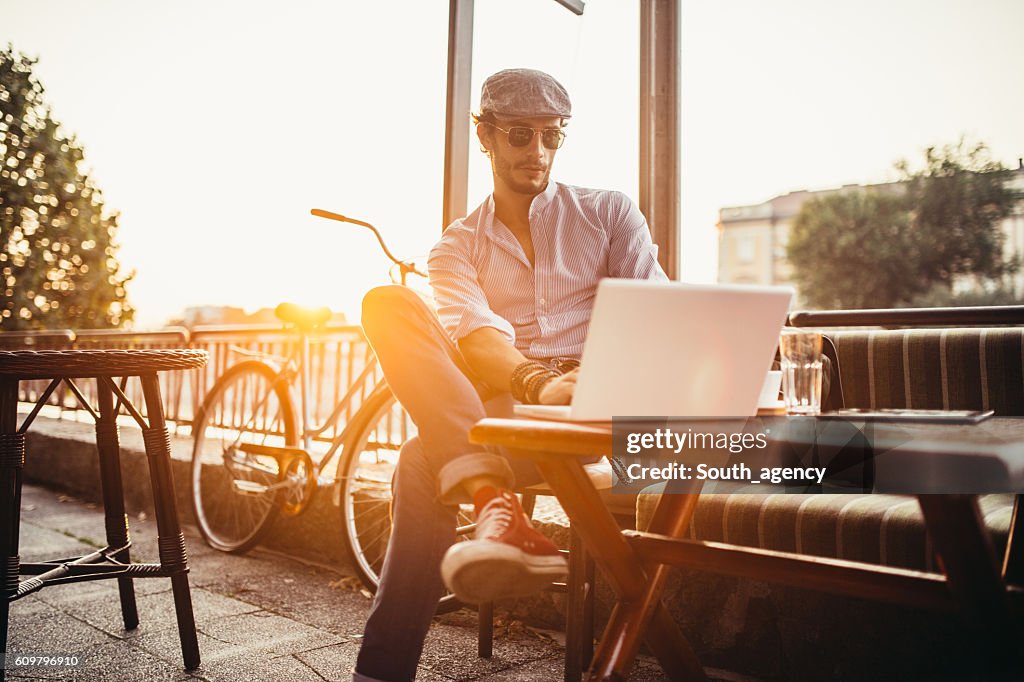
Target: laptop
column 670, row 349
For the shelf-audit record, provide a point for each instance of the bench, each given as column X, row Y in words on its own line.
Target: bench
column 944, row 368
column 976, row 369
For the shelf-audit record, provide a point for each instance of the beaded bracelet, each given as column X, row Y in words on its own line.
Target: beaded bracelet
column 520, row 374
column 536, row 383
column 529, row 378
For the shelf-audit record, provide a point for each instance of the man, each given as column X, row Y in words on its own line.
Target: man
column 514, row 283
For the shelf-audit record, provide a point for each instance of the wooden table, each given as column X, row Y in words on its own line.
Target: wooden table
column 986, row 590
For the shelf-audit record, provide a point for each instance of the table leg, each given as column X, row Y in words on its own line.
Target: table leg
column 576, row 597
column 171, row 540
column 12, row 461
column 672, row 517
column 967, row 557
column 588, row 607
column 485, row 629
column 1013, row 560
column 115, row 519
column 639, row 607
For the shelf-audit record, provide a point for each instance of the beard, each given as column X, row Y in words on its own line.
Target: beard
column 505, row 169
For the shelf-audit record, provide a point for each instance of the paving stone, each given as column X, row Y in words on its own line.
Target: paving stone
column 48, row 544
column 264, row 631
column 544, row 670
column 165, row 644
column 47, row 631
column 114, row 661
column 262, row 616
column 452, row 651
column 336, row 662
column 232, row 573
column 121, row 661
column 333, row 662
column 85, row 596
column 251, row 653
column 277, row 669
column 156, row 611
column 294, row 590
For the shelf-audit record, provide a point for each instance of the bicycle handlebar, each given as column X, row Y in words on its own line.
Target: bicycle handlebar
column 403, row 265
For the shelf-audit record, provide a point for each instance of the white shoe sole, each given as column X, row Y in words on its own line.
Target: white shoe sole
column 481, row 571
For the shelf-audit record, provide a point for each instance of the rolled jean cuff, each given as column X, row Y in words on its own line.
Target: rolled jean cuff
column 467, row 466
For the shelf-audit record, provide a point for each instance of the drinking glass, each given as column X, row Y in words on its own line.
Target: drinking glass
column 800, row 352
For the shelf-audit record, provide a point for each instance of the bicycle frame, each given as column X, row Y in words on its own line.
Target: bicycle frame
column 270, row 454
column 297, row 365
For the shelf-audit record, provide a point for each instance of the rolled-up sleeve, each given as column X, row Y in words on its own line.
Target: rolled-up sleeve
column 461, row 303
column 631, row 252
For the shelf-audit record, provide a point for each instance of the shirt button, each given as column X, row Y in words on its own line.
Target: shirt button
column 542, row 301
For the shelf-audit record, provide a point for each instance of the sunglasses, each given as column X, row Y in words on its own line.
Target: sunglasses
column 520, row 136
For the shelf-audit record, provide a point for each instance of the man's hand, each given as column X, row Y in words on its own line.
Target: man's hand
column 559, row 390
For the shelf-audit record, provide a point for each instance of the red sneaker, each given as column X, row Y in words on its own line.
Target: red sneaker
column 507, row 557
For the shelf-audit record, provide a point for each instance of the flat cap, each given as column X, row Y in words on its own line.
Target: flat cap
column 524, row 93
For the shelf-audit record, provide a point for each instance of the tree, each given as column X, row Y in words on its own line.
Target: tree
column 58, row 256
column 891, row 245
column 850, row 250
column 959, row 200
column 942, row 296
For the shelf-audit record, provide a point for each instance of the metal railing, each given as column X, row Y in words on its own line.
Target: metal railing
column 338, row 356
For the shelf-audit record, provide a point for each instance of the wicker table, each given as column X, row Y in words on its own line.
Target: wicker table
column 113, row 561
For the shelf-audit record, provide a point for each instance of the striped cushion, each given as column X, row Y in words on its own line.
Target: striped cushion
column 975, row 369
column 881, row 529
column 978, row 369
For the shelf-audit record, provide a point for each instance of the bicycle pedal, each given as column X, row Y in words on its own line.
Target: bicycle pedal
column 249, row 487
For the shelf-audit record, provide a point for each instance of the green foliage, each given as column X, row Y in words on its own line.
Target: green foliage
column 886, row 247
column 58, row 264
column 942, row 296
column 849, row 250
column 960, row 198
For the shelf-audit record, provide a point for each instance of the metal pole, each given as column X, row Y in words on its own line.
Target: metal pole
column 659, row 127
column 307, row 438
column 457, row 108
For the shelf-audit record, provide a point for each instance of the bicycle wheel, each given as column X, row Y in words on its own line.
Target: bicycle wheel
column 234, row 496
column 365, row 471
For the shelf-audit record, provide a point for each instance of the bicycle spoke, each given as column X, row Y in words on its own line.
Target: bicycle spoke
column 385, row 531
column 242, row 408
column 354, row 502
column 371, row 513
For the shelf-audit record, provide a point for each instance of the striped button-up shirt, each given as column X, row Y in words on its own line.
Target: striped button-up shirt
column 481, row 276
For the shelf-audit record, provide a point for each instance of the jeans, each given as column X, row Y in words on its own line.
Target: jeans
column 435, row 386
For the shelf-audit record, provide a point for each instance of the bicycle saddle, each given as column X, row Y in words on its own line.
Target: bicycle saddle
column 301, row 316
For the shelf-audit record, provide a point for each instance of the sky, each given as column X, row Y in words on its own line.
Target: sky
column 213, row 127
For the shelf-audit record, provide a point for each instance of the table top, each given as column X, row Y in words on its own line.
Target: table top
column 924, row 458
column 51, row 364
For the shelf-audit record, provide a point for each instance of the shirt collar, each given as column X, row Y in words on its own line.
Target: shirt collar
column 539, row 202
column 544, row 198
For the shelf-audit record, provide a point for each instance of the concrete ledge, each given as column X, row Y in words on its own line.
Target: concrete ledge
column 61, row 454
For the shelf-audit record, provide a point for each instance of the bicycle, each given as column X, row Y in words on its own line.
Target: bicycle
column 252, row 456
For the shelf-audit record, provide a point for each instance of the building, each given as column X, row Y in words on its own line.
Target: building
column 752, row 239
